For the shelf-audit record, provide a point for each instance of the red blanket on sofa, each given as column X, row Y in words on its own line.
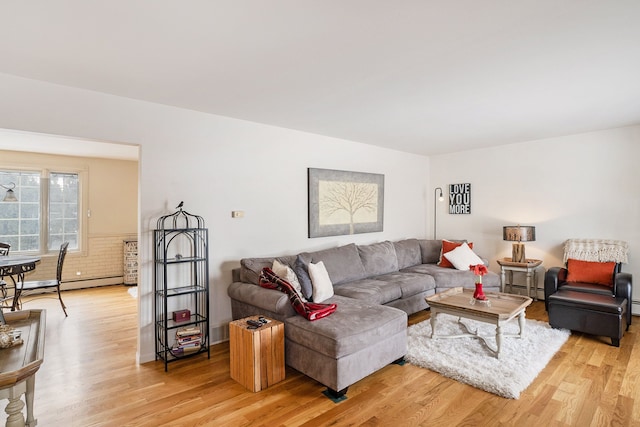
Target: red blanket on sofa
column 308, row 310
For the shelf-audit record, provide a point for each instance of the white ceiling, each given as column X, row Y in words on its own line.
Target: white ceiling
column 423, row 76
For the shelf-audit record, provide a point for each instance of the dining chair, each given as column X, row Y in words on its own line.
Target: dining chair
column 4, row 251
column 42, row 286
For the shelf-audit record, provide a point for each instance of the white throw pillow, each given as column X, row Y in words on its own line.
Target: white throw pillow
column 285, row 272
column 462, row 257
column 322, row 286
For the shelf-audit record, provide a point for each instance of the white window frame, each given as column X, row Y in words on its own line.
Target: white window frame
column 83, row 205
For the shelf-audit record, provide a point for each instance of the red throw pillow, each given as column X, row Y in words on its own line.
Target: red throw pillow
column 448, row 246
column 600, row 273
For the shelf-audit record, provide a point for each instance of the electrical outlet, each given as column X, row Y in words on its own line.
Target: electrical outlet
column 237, row 214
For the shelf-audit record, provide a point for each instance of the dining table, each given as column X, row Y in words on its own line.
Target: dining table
column 15, row 267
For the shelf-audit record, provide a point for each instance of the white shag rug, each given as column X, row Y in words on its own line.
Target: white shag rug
column 469, row 360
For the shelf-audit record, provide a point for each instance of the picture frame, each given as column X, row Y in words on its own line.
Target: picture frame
column 460, row 198
column 344, row 202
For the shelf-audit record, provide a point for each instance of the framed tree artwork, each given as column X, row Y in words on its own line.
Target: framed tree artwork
column 343, row 202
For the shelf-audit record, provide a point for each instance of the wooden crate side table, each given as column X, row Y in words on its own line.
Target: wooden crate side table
column 257, row 355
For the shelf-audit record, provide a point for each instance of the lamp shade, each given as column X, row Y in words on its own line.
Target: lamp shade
column 519, row 233
column 10, row 196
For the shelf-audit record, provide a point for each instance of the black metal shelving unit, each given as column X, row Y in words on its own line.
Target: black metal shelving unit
column 181, row 278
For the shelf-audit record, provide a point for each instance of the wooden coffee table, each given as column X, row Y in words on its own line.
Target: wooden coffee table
column 502, row 309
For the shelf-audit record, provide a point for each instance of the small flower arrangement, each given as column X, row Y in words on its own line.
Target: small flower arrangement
column 479, row 270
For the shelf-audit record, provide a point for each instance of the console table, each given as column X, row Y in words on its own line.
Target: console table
column 19, row 364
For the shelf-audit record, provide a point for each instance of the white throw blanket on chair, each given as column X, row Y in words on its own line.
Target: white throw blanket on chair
column 598, row 250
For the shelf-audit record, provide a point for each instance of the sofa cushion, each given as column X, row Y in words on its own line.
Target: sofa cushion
column 355, row 325
column 408, row 253
column 463, row 257
column 342, row 263
column 410, row 283
column 302, row 271
column 250, row 268
column 378, row 258
column 450, row 277
column 586, row 287
column 430, row 250
column 322, row 287
column 600, row 273
column 370, row 291
column 448, row 246
column 285, row 272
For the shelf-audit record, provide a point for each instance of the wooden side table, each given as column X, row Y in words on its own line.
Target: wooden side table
column 257, row 355
column 19, row 364
column 529, row 267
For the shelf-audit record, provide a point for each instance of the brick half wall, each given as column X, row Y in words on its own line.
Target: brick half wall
column 102, row 265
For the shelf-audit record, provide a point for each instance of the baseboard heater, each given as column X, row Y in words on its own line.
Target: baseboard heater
column 92, row 283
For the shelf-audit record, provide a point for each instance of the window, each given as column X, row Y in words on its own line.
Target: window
column 63, row 210
column 46, row 213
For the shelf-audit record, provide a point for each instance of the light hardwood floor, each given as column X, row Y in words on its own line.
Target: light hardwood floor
column 90, row 378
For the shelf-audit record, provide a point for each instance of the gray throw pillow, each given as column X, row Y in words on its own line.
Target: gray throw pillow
column 302, row 271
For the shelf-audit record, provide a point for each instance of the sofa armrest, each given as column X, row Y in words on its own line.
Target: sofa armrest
column 263, row 298
column 622, row 287
column 552, row 278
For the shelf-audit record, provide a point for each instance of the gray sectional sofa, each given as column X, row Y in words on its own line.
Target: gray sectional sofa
column 375, row 287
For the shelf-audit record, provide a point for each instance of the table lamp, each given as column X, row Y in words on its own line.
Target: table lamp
column 518, row 234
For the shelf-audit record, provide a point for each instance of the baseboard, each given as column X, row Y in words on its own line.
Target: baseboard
column 635, row 307
column 91, row 283
column 219, row 334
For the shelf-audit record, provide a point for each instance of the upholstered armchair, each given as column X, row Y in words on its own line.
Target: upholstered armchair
column 590, row 294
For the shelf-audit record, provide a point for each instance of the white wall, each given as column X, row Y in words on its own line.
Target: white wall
column 575, row 186
column 578, row 186
column 217, row 165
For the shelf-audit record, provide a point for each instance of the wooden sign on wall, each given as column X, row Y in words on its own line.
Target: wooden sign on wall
column 460, row 198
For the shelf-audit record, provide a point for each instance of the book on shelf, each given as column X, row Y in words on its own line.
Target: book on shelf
column 191, row 344
column 182, row 351
column 191, row 330
column 188, row 340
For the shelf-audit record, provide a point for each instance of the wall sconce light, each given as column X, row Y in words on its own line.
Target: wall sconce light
column 10, row 196
column 518, row 234
column 437, row 197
